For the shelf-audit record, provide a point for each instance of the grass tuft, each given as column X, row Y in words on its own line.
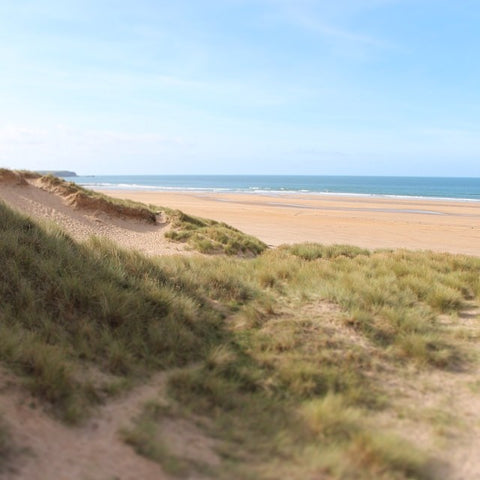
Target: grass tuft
column 331, row 418
column 209, row 236
column 314, row 251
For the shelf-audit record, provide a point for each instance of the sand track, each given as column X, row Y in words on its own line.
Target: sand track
column 94, row 451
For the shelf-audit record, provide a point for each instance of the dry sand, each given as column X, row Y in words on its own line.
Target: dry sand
column 439, row 225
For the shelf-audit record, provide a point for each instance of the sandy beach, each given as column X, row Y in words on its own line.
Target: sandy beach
column 371, row 222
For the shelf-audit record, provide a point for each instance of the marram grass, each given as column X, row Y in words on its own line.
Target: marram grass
column 209, row 236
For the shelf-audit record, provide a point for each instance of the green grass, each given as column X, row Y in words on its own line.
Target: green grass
column 287, row 393
column 314, row 251
column 394, row 298
column 209, row 236
column 282, row 353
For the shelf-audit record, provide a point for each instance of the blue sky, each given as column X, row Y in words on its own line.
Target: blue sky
column 347, row 87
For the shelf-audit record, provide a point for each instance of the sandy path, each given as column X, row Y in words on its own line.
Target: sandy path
column 367, row 222
column 82, row 224
column 439, row 410
column 91, row 452
column 462, row 392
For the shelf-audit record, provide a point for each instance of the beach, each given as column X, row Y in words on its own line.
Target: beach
column 371, row 222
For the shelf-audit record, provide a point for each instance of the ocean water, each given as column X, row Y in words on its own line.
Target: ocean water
column 430, row 187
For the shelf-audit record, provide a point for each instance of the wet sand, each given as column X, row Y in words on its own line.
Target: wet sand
column 371, row 222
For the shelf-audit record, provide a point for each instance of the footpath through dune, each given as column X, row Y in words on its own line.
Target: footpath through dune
column 94, row 451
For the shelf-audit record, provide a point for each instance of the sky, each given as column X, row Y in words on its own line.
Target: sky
column 344, row 87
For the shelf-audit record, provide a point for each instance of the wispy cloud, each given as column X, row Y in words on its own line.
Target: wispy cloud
column 331, row 20
column 335, row 33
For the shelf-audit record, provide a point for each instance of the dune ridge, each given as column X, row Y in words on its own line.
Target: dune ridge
column 82, row 218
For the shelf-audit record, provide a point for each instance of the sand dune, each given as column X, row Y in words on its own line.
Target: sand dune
column 29, row 196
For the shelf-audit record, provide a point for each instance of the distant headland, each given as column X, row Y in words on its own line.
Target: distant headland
column 58, row 173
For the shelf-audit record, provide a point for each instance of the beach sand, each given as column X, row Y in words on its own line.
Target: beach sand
column 371, row 222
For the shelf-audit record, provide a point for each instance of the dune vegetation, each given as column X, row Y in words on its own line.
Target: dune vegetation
column 280, row 359
column 209, row 236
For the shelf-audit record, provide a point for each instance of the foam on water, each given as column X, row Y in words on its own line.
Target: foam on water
column 465, row 189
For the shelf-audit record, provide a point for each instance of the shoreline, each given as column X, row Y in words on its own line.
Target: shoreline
column 446, row 226
column 274, row 193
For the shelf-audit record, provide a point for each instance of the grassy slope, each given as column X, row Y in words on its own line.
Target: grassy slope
column 67, row 305
column 283, row 389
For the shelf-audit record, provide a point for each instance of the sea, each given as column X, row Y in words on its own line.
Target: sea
column 467, row 189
